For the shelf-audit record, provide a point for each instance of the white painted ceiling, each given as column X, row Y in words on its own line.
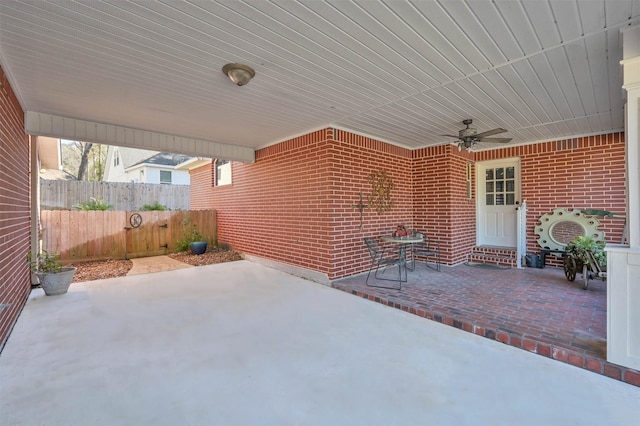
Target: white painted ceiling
column 400, row 71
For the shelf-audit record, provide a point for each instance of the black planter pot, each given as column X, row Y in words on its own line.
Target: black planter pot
column 198, row 247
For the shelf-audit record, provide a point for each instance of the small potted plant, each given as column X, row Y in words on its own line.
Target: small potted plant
column 193, row 240
column 54, row 278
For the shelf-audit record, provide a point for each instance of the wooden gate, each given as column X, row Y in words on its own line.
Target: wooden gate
column 99, row 235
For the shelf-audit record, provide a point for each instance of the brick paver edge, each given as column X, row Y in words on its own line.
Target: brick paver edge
column 530, row 344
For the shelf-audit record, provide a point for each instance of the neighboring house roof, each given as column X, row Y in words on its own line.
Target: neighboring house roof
column 131, row 157
column 163, row 159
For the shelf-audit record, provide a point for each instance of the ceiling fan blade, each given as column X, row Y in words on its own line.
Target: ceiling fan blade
column 490, row 132
column 452, row 136
column 495, row 140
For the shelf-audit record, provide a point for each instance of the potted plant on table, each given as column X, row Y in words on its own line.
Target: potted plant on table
column 401, row 231
column 54, row 278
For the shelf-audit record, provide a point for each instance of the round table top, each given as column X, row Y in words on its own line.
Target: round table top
column 402, row 240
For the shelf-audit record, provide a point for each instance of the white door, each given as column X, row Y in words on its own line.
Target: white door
column 498, row 189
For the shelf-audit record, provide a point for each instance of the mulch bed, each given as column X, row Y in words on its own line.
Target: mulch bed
column 208, row 258
column 101, row 269
column 98, row 270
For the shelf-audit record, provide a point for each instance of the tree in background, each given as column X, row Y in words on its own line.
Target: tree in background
column 84, row 160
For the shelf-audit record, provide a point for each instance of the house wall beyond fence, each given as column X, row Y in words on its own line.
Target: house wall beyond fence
column 15, row 210
column 297, row 203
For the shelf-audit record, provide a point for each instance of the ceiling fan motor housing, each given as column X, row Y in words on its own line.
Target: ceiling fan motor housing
column 468, row 132
column 464, row 133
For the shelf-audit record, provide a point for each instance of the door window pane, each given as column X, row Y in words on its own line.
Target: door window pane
column 489, row 174
column 500, row 186
column 511, row 199
column 511, row 173
column 489, row 199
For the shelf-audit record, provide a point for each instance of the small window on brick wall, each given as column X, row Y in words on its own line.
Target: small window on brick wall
column 223, row 172
column 165, row 176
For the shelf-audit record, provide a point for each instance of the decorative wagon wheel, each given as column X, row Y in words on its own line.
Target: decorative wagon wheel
column 570, row 267
column 586, row 271
column 135, row 220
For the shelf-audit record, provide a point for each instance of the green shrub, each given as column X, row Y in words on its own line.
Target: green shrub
column 45, row 262
column 190, row 235
column 155, row 206
column 93, row 204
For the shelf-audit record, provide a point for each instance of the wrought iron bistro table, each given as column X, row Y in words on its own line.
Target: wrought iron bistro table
column 402, row 243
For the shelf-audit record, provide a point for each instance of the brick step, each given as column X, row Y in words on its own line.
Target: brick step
column 493, row 256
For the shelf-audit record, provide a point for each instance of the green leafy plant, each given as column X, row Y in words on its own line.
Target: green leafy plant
column 190, row 235
column 155, row 206
column 93, row 204
column 581, row 245
column 45, row 262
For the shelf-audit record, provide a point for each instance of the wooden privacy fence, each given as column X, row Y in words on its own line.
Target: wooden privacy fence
column 64, row 194
column 80, row 236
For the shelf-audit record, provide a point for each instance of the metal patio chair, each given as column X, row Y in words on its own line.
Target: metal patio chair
column 428, row 248
column 382, row 259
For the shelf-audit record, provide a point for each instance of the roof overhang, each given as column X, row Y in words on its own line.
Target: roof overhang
column 89, row 131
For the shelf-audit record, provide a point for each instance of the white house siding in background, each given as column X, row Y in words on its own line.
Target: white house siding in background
column 144, row 166
column 146, row 173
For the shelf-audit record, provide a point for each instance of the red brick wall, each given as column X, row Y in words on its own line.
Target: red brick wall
column 581, row 173
column 277, row 207
column 200, row 188
column 15, row 209
column 354, row 158
column 295, row 203
column 441, row 207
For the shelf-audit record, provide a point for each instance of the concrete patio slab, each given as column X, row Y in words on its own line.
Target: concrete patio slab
column 241, row 344
column 145, row 265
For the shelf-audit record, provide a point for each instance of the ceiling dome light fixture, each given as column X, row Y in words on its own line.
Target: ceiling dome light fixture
column 240, row 74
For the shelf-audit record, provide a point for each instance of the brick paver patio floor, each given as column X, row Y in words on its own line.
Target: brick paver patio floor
column 537, row 310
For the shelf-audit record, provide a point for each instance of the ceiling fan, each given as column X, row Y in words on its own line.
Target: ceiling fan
column 469, row 136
